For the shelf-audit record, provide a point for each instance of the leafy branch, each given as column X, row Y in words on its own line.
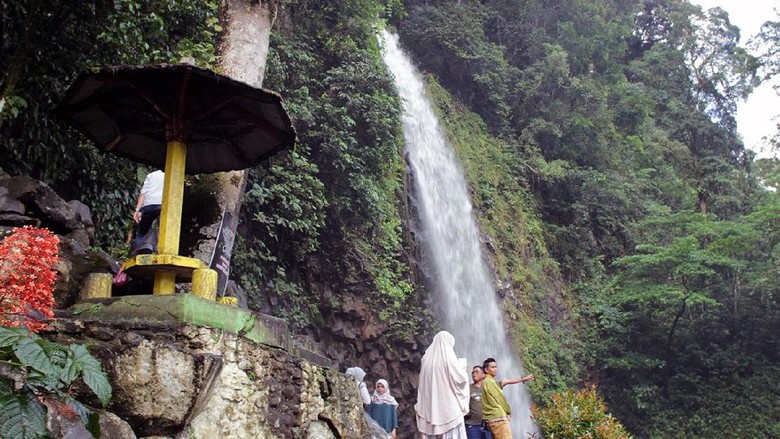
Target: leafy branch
column 36, row 373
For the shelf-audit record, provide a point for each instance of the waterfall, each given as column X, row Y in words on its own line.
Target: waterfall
column 464, row 290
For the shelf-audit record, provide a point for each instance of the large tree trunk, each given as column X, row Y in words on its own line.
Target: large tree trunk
column 243, row 50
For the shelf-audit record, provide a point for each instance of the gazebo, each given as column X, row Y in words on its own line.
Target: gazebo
column 185, row 120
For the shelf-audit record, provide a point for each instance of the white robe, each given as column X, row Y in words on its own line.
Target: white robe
column 443, row 391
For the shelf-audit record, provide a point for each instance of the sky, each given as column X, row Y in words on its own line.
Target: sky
column 755, row 116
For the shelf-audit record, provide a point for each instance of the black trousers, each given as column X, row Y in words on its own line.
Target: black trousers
column 149, row 215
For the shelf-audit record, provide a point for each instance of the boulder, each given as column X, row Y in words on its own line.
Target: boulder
column 72, row 270
column 63, row 423
column 43, row 203
column 84, row 215
column 112, row 426
column 9, row 204
column 160, row 387
column 18, row 220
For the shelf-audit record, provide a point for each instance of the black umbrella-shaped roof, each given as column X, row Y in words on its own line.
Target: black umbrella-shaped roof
column 133, row 111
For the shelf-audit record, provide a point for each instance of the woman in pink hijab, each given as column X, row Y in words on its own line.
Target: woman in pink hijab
column 443, row 391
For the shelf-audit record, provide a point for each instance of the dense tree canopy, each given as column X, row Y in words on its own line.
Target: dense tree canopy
column 45, row 45
column 620, row 119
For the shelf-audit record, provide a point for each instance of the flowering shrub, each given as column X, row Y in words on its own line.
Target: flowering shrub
column 578, row 415
column 27, row 258
column 38, row 375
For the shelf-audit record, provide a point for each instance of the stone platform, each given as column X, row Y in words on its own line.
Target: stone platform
column 181, row 366
column 187, row 309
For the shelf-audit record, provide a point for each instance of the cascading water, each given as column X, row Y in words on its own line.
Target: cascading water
column 464, row 286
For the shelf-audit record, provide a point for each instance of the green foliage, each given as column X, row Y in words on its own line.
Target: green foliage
column 21, row 416
column 449, row 39
column 158, row 31
column 285, row 204
column 339, row 195
column 580, row 414
column 690, row 308
column 617, row 112
column 34, row 370
column 292, row 201
column 45, row 46
column 548, row 353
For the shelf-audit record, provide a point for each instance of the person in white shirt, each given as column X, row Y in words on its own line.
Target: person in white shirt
column 147, row 209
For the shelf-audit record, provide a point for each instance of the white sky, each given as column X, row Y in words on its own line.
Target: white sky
column 755, row 116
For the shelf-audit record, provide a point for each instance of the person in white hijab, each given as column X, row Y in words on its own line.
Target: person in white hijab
column 443, row 391
column 358, row 374
column 383, row 408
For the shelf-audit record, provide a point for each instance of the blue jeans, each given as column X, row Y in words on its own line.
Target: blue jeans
column 477, row 432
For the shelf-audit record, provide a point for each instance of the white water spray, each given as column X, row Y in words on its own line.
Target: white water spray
column 463, row 285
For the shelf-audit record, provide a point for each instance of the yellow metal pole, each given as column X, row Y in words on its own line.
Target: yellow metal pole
column 170, row 215
column 164, row 282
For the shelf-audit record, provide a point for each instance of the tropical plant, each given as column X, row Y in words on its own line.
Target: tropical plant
column 37, row 375
column 578, row 415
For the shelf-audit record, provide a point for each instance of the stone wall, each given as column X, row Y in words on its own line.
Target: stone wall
column 188, row 381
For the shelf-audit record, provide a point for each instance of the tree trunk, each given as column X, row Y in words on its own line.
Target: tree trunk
column 670, row 337
column 216, row 199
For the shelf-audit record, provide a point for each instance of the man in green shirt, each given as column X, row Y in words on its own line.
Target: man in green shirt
column 495, row 409
column 474, row 424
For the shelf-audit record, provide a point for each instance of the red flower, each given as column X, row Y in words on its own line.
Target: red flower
column 27, row 258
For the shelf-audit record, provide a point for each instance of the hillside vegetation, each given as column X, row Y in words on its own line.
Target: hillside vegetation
column 634, row 238
column 615, row 119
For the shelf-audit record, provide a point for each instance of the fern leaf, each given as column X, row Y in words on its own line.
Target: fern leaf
column 82, row 359
column 91, row 372
column 57, row 353
column 48, row 382
column 70, row 372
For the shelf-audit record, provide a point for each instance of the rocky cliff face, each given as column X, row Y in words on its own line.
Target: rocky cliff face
column 186, row 381
column 353, row 334
column 349, row 328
